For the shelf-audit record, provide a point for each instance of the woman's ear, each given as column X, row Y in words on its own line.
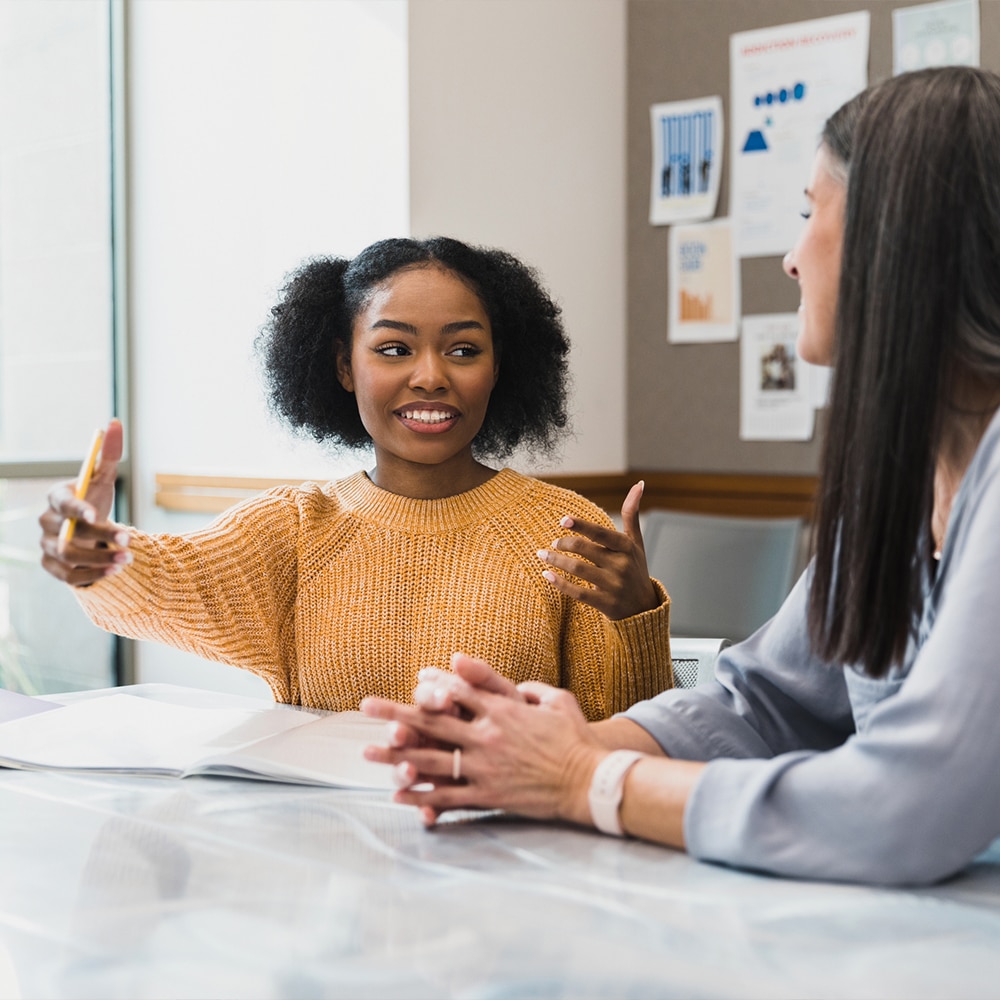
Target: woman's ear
column 344, row 366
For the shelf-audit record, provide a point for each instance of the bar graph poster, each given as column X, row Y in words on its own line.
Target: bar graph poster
column 704, row 284
column 785, row 82
column 687, row 160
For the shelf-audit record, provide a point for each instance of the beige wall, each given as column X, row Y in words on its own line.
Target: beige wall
column 517, row 139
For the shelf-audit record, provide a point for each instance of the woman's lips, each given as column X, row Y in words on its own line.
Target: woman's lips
column 428, row 419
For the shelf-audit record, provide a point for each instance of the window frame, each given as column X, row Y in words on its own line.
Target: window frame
column 123, row 666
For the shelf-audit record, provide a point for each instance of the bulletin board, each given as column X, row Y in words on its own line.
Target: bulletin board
column 683, row 399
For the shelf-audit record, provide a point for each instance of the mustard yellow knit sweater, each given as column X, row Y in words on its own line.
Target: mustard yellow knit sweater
column 337, row 591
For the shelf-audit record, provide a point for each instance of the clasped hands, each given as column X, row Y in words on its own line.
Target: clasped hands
column 526, row 747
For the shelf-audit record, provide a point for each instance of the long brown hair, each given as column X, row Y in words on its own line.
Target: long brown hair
column 919, row 301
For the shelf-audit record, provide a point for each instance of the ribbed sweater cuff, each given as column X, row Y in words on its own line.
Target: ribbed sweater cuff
column 645, row 644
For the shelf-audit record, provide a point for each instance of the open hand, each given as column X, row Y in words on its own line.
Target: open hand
column 613, row 563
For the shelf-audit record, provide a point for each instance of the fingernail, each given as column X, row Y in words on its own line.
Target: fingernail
column 567, row 522
column 111, row 570
column 549, row 575
column 123, row 557
column 89, row 516
column 543, row 555
column 121, row 538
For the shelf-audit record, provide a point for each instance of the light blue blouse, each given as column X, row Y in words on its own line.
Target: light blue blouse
column 818, row 771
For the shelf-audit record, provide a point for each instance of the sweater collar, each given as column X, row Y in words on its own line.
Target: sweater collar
column 359, row 495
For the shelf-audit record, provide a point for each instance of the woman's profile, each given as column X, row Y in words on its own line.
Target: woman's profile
column 438, row 355
column 853, row 737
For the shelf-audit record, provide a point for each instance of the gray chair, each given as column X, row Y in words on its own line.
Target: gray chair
column 726, row 576
column 694, row 659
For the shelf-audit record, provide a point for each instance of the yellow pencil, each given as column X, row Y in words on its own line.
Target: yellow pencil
column 82, row 485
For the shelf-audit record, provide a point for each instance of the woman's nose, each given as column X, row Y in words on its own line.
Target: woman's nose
column 788, row 263
column 428, row 373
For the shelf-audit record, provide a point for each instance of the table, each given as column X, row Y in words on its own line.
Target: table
column 211, row 887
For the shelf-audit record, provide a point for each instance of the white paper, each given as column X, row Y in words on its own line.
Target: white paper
column 125, row 734
column 935, row 34
column 776, row 395
column 687, row 160
column 786, row 81
column 704, row 284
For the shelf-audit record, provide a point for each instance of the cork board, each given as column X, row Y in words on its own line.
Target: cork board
column 683, row 399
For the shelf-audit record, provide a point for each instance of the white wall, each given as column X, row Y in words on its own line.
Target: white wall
column 263, row 132
column 517, row 139
column 260, row 133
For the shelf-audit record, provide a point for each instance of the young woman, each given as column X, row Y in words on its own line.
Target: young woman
column 437, row 353
column 855, row 736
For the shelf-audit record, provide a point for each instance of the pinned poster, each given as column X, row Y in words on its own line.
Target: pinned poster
column 935, row 34
column 776, row 391
column 687, row 160
column 786, row 81
column 704, row 284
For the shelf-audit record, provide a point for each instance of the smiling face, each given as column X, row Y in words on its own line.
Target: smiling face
column 815, row 260
column 421, row 366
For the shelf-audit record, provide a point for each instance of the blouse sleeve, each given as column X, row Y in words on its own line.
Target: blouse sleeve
column 770, row 695
column 224, row 593
column 914, row 796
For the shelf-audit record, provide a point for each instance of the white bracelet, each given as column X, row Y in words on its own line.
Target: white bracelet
column 606, row 787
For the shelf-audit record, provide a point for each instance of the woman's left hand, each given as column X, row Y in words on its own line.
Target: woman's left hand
column 613, row 564
column 534, row 756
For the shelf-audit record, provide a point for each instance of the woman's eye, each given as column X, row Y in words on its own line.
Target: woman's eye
column 392, row 351
column 466, row 351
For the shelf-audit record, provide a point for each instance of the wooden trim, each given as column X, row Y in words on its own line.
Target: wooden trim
column 210, row 494
column 706, row 493
column 733, row 494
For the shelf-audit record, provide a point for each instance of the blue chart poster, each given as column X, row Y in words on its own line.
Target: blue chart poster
column 687, row 158
column 785, row 82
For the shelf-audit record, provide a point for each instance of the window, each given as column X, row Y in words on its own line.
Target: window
column 58, row 286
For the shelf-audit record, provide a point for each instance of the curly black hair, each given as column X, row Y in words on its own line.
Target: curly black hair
column 320, row 300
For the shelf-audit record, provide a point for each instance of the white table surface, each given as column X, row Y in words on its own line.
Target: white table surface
column 206, row 887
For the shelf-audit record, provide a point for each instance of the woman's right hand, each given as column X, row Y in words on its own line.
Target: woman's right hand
column 98, row 547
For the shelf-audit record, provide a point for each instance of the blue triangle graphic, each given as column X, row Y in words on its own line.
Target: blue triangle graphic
column 755, row 143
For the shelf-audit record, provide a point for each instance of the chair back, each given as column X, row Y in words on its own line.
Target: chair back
column 726, row 576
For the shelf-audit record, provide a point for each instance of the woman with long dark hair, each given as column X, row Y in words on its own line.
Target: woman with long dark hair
column 856, row 735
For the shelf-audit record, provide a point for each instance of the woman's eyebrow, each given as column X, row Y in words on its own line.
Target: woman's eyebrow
column 456, row 327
